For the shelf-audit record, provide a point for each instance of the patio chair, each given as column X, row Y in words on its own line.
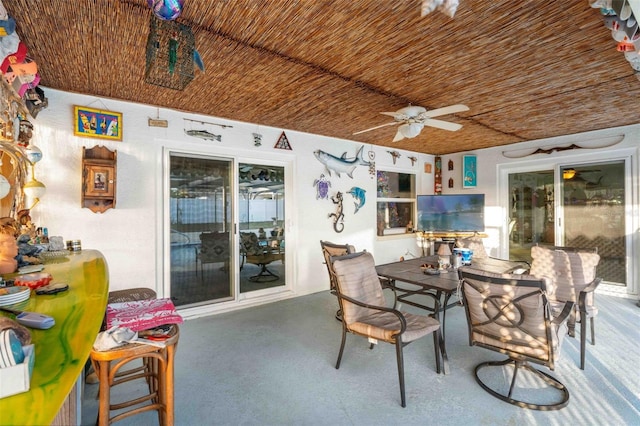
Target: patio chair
column 214, row 248
column 510, row 314
column 331, row 249
column 367, row 314
column 572, row 272
column 253, row 252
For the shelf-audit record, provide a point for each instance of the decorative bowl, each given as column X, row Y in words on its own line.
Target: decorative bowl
column 33, row 280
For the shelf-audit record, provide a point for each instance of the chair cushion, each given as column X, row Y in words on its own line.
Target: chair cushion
column 357, row 278
column 383, row 326
column 569, row 272
column 475, row 244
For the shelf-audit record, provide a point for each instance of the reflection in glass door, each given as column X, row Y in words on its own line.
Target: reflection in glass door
column 593, row 198
column 201, row 232
column 262, row 217
column 591, row 206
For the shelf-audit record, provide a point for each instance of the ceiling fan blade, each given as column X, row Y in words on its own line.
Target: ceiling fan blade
column 399, row 136
column 440, row 124
column 445, row 110
column 374, row 128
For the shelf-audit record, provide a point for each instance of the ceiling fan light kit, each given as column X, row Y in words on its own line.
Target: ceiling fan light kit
column 412, row 119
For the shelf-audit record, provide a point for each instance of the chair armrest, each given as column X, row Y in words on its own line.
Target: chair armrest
column 566, row 311
column 403, row 321
column 582, row 297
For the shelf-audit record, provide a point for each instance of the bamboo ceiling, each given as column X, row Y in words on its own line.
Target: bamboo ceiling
column 527, row 70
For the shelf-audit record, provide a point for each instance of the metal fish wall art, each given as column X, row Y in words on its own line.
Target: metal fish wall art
column 341, row 164
column 204, row 134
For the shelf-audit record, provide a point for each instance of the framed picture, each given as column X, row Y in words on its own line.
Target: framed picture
column 469, row 170
column 96, row 123
column 98, row 181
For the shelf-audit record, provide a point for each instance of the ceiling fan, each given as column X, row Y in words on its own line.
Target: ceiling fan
column 412, row 120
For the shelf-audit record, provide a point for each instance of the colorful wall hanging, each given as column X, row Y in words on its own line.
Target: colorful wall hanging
column 437, row 178
column 469, row 170
column 96, row 123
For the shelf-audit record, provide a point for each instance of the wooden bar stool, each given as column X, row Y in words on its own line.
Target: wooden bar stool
column 156, row 369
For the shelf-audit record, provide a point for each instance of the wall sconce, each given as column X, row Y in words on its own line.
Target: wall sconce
column 568, row 173
column 34, row 190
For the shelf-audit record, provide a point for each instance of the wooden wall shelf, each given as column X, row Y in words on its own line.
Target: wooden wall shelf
column 99, row 178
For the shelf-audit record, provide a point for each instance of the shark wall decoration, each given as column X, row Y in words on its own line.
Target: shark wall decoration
column 341, row 164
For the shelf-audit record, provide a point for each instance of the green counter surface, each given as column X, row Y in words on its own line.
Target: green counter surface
column 61, row 351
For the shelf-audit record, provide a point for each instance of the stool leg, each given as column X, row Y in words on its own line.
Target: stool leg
column 102, row 368
column 168, row 384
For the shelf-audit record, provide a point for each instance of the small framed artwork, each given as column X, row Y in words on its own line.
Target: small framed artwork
column 96, row 123
column 469, row 170
column 98, row 181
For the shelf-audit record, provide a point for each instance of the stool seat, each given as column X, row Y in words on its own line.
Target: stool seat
column 157, row 370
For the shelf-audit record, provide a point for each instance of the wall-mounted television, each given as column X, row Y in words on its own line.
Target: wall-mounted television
column 451, row 213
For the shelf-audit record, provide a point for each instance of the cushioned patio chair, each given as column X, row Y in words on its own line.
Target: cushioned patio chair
column 261, row 255
column 367, row 314
column 572, row 273
column 510, row 314
column 331, row 249
column 214, row 248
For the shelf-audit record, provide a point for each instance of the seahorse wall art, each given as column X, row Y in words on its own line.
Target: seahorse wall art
column 338, row 216
column 341, row 164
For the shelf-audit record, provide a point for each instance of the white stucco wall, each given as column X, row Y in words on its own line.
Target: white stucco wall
column 131, row 236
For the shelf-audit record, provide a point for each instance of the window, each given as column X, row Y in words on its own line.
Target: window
column 396, row 202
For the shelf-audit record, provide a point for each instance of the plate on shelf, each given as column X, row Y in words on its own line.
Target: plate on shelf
column 13, row 295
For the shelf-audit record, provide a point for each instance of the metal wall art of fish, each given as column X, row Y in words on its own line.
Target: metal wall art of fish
column 341, row 164
column 204, row 134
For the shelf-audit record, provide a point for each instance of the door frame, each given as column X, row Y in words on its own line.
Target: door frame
column 255, row 298
column 632, row 208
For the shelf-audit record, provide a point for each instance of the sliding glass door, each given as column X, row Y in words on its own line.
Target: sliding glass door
column 582, row 205
column 261, row 221
column 200, row 210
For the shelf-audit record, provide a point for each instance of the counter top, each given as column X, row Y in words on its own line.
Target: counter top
column 61, row 351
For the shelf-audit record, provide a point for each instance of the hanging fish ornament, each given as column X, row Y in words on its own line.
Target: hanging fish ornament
column 197, row 59
column 167, row 10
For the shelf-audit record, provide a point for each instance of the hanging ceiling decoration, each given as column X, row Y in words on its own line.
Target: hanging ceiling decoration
column 448, row 7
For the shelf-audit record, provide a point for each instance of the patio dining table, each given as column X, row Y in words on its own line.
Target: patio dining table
column 443, row 285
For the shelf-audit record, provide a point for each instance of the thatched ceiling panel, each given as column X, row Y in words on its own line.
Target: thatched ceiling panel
column 525, row 69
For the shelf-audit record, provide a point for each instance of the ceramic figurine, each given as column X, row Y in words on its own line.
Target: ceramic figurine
column 8, row 253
